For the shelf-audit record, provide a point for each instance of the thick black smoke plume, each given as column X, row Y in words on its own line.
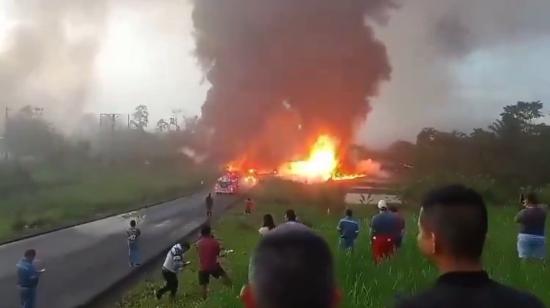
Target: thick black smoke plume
column 283, row 71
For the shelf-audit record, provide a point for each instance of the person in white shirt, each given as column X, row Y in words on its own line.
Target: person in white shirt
column 268, row 225
column 173, row 263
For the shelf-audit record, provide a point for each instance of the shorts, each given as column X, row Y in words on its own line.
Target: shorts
column 383, row 247
column 531, row 246
column 204, row 276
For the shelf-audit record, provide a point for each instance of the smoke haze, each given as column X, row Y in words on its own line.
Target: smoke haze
column 454, row 64
column 457, row 63
column 50, row 54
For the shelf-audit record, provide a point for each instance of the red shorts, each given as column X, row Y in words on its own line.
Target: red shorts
column 383, row 247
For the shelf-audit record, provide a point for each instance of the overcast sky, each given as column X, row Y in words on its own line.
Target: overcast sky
column 454, row 65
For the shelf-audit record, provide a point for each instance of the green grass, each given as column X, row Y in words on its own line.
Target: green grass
column 60, row 196
column 364, row 284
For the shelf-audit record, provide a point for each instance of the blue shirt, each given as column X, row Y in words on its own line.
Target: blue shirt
column 385, row 223
column 349, row 228
column 27, row 274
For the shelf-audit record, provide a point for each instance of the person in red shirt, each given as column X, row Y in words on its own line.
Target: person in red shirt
column 209, row 250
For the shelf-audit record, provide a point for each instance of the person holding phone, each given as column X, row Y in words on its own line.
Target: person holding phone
column 28, row 276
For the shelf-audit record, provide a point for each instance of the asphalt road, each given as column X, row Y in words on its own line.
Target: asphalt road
column 83, row 261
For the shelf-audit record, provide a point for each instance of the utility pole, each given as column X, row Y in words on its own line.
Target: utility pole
column 6, row 119
column 112, row 117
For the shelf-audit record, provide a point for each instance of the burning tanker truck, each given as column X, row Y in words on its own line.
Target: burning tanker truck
column 322, row 163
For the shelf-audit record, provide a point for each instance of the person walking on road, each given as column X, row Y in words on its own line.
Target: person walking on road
column 133, row 234
column 384, row 226
column 531, row 243
column 209, row 205
column 28, row 276
column 173, row 263
column 348, row 228
column 209, row 250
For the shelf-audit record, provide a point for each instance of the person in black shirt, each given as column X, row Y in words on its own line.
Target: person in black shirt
column 532, row 219
column 209, row 201
column 452, row 230
column 291, row 268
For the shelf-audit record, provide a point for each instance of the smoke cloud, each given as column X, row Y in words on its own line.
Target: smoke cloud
column 49, row 57
column 457, row 63
column 284, row 71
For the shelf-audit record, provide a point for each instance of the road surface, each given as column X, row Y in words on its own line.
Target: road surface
column 82, row 261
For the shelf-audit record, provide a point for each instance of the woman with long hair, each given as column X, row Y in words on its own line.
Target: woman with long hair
column 268, row 224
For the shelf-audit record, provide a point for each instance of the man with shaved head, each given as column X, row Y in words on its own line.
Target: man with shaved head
column 452, row 230
column 291, row 268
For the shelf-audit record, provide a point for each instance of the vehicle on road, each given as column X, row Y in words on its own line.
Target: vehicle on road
column 227, row 184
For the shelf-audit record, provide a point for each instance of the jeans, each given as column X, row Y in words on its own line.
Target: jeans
column 347, row 243
column 531, row 246
column 28, row 297
column 133, row 254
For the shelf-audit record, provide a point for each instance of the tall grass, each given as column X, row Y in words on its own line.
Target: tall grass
column 60, row 196
column 363, row 283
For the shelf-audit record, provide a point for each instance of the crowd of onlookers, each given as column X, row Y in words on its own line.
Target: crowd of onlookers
column 293, row 267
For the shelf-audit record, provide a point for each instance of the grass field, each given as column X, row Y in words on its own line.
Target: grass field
column 364, row 284
column 53, row 196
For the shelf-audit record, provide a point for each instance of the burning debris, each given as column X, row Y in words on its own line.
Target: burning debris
column 285, row 73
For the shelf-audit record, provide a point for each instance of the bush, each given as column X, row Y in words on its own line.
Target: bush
column 493, row 192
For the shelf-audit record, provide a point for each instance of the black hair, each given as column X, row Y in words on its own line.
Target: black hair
column 206, row 230
column 268, row 222
column 458, row 216
column 30, row 253
column 349, row 212
column 290, row 215
column 132, row 223
column 532, row 198
column 393, row 209
column 185, row 246
column 293, row 269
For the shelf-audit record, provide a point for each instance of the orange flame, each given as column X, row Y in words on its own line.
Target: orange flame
column 320, row 166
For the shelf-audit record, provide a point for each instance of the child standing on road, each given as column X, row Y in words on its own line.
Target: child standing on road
column 133, row 234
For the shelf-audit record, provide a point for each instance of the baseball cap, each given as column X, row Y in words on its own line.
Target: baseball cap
column 382, row 204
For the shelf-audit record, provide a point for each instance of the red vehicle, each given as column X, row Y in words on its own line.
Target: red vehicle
column 227, row 184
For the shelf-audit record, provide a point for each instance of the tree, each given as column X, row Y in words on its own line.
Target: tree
column 28, row 134
column 140, row 117
column 518, row 119
column 163, row 126
column 174, row 123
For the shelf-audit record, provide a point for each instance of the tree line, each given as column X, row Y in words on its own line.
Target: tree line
column 513, row 152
